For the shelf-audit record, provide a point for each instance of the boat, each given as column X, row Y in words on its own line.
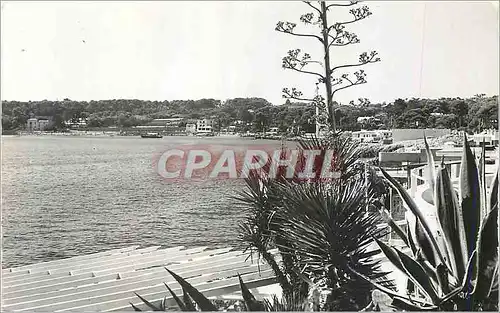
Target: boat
column 205, row 134
column 151, row 135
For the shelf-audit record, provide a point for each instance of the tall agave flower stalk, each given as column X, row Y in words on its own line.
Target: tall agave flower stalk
column 461, row 271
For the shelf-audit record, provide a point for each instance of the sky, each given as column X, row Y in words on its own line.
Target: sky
column 95, row 50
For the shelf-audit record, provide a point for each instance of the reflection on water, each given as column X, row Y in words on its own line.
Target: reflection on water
column 66, row 196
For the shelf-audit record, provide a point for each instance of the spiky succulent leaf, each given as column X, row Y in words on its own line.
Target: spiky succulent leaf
column 149, row 304
column 203, row 303
column 487, row 256
column 188, row 302
column 411, row 242
column 470, row 197
column 329, row 228
column 394, row 227
column 442, row 276
column 135, row 308
column 250, row 303
column 430, row 164
column 418, row 274
column 390, row 292
column 409, row 305
column 179, row 302
column 447, row 207
column 467, row 279
column 412, row 206
column 391, row 255
column 424, row 243
column 482, row 183
column 493, row 199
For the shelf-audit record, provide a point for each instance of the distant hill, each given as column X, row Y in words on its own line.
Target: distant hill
column 471, row 114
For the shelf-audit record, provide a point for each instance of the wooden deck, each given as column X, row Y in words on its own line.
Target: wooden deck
column 106, row 281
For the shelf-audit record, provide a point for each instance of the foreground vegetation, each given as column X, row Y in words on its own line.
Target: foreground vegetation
column 322, row 230
column 459, row 272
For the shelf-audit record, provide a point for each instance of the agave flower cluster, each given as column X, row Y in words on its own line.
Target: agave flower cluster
column 459, row 272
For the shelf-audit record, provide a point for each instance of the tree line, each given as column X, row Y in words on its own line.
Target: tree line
column 258, row 114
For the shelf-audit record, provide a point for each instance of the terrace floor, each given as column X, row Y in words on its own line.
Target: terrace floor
column 107, row 281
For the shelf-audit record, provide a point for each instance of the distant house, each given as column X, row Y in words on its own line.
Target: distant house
column 205, row 126
column 32, row 124
column 166, row 122
column 169, row 125
column 191, row 128
column 76, row 123
column 38, row 123
column 363, row 119
column 490, row 137
column 384, row 136
column 272, row 131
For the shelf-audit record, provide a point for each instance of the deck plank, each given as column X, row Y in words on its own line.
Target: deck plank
column 13, row 270
column 196, row 276
column 192, row 265
column 135, row 261
column 107, row 280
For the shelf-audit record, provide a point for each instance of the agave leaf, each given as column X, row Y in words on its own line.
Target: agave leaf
column 494, row 190
column 135, row 308
column 408, row 305
column 429, row 269
column 450, row 295
column 418, row 275
column 412, row 206
column 446, row 203
column 391, row 255
column 467, row 279
column 487, row 256
column 425, row 244
column 430, row 164
column 442, row 276
column 250, row 302
column 163, row 303
column 388, row 291
column 494, row 281
column 411, row 242
column 187, row 301
column 179, row 302
column 149, row 304
column 470, row 196
column 482, row 182
column 203, row 303
column 395, row 227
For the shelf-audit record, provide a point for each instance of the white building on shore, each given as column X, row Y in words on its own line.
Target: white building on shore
column 373, row 136
column 191, row 128
column 38, row 124
column 205, row 126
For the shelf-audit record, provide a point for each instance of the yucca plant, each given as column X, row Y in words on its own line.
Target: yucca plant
column 319, row 228
column 459, row 272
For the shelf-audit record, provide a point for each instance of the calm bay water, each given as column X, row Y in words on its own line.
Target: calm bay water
column 65, row 196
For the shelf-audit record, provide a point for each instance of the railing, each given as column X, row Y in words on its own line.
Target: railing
column 419, row 176
column 418, row 186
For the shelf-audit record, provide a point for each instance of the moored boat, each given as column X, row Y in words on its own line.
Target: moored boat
column 151, row 135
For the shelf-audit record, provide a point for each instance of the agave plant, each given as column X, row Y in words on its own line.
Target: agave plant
column 459, row 272
column 193, row 300
column 320, row 228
